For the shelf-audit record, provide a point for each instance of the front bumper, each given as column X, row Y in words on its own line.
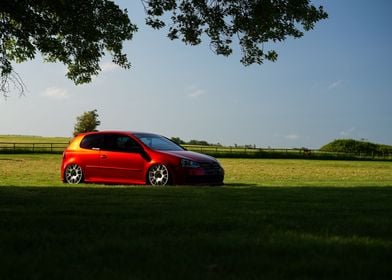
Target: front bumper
column 206, row 174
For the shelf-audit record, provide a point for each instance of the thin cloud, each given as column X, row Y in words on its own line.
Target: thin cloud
column 194, row 92
column 292, row 136
column 56, row 93
column 335, row 84
column 348, row 132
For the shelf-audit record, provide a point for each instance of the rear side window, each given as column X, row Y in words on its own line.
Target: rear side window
column 120, row 143
column 93, row 141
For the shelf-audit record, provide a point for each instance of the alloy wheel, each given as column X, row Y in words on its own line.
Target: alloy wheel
column 158, row 175
column 73, row 174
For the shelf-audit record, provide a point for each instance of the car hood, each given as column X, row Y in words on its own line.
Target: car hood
column 191, row 156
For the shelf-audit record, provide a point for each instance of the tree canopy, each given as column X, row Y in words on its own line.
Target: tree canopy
column 356, row 147
column 74, row 32
column 79, row 32
column 86, row 122
column 248, row 22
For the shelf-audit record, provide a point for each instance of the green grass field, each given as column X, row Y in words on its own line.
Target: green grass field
column 274, row 219
column 33, row 139
column 44, row 170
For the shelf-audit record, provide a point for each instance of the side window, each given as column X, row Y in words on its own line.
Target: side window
column 93, row 141
column 120, row 143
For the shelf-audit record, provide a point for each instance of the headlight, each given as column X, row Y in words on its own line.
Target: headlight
column 189, row 163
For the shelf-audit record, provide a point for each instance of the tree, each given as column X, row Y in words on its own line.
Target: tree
column 356, row 147
column 78, row 32
column 178, row 140
column 199, row 142
column 74, row 32
column 86, row 122
column 250, row 22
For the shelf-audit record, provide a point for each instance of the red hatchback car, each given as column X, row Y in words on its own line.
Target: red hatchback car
column 119, row 157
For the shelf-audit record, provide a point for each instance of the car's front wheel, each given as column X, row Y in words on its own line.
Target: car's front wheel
column 158, row 175
column 73, row 174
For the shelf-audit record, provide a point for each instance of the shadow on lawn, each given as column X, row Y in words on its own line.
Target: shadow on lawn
column 239, row 185
column 112, row 232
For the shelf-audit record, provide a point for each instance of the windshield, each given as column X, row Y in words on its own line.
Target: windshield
column 157, row 142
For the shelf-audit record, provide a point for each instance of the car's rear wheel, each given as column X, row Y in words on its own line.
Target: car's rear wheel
column 73, row 174
column 158, row 175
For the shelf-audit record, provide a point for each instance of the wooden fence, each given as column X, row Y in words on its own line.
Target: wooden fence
column 217, row 151
column 37, row 147
column 283, row 153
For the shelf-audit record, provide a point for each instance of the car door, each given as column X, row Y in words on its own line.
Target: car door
column 89, row 156
column 121, row 160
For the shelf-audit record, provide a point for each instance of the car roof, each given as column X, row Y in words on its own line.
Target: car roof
column 118, row 132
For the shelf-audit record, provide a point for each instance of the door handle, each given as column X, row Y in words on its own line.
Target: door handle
column 104, row 156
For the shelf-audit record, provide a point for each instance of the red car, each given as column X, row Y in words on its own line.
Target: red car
column 119, row 157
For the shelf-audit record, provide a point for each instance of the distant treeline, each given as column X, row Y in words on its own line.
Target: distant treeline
column 179, row 141
column 350, row 146
column 356, row 147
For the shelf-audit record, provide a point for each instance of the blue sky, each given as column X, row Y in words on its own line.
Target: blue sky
column 335, row 82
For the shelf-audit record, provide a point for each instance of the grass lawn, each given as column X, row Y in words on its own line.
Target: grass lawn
column 44, row 170
column 274, row 219
column 33, row 139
